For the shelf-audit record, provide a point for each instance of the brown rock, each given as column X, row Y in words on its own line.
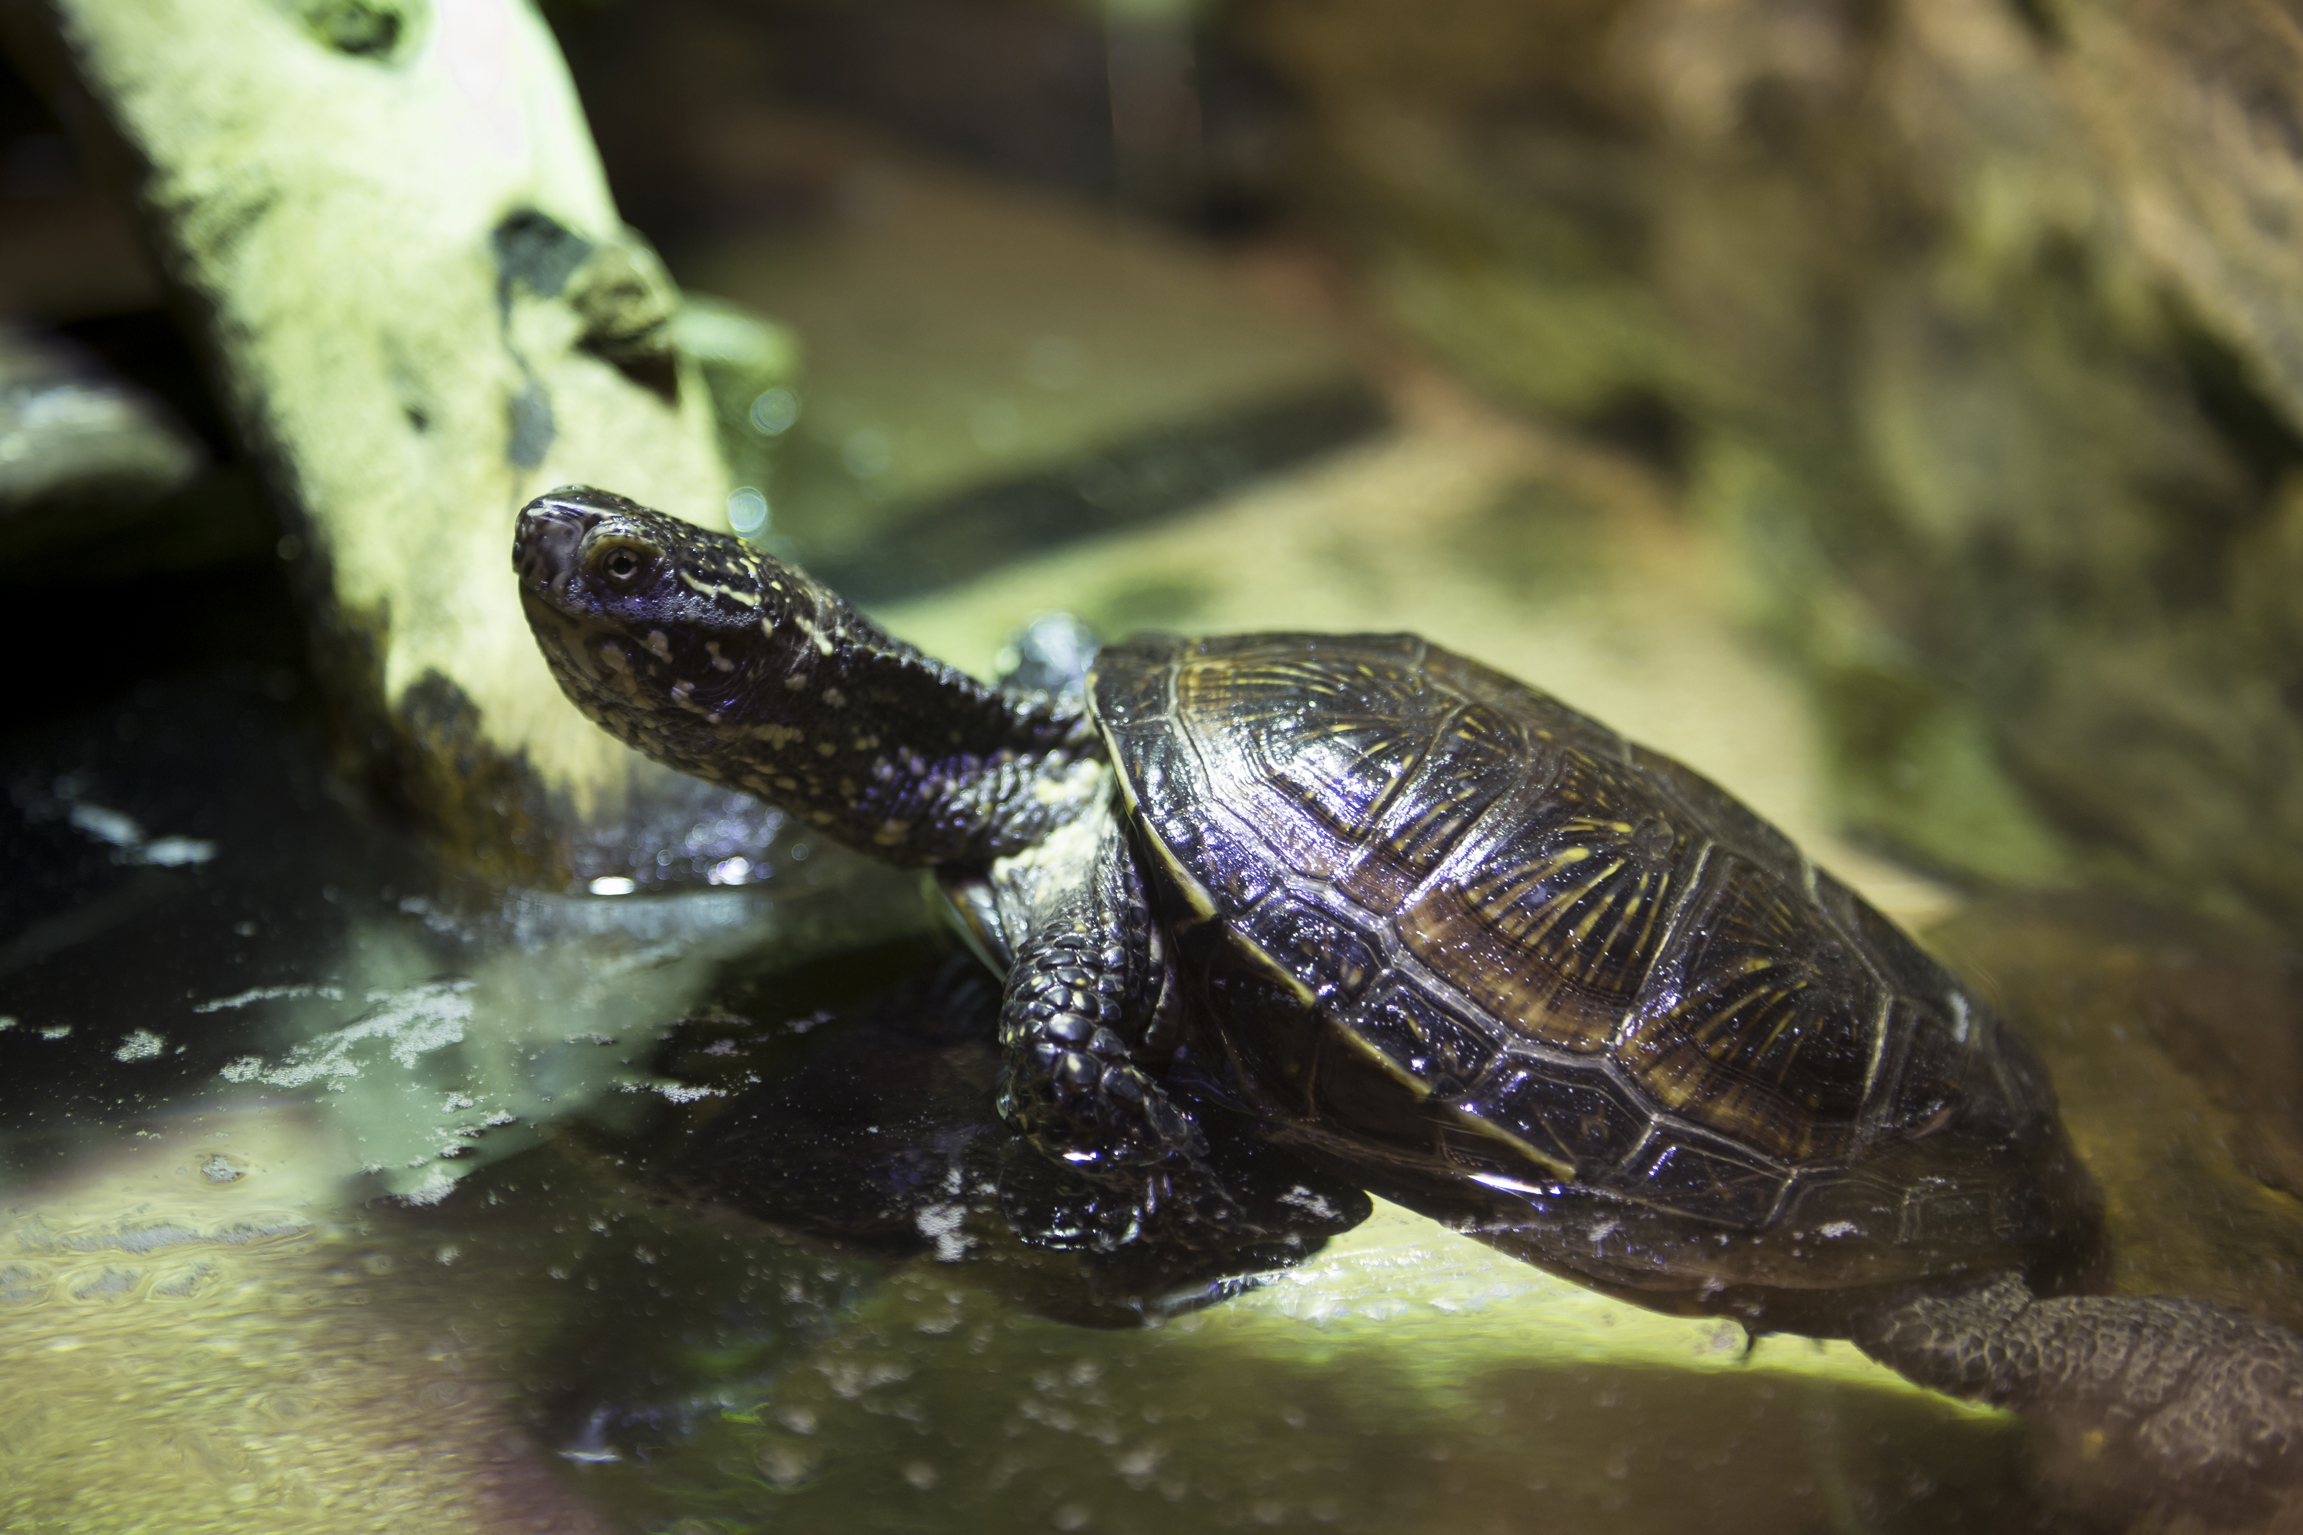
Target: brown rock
column 1975, row 322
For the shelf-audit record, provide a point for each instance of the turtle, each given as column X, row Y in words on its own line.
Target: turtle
column 1440, row 931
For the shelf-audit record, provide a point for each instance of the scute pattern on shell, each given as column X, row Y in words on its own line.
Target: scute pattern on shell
column 1570, row 939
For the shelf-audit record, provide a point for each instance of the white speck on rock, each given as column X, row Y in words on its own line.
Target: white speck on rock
column 268, row 994
column 125, row 833
column 407, row 1024
column 436, row 1186
column 674, row 1092
column 107, row 825
column 941, row 1224
column 1312, row 1204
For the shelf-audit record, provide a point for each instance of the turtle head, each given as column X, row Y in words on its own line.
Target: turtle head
column 715, row 659
column 661, row 631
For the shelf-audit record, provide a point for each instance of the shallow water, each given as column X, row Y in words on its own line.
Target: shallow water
column 337, row 1189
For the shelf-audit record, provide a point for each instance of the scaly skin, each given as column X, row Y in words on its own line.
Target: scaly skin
column 721, row 662
column 1082, row 992
column 730, row 665
column 2182, row 1401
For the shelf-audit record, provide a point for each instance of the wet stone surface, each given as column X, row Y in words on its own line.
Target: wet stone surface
column 2176, row 1045
column 334, row 1184
column 691, row 1205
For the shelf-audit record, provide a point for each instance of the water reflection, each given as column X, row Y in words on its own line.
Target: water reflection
column 201, row 1333
column 722, row 1238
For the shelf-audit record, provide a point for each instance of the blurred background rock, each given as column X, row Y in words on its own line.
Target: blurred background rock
column 1975, row 325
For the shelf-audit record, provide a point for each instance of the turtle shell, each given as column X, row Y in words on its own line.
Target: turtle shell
column 1529, row 975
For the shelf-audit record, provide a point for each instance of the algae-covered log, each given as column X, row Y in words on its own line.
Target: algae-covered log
column 387, row 223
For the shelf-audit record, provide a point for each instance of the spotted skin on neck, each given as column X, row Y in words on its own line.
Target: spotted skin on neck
column 720, row 661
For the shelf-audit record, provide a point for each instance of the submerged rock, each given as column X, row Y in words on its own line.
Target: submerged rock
column 2176, row 1045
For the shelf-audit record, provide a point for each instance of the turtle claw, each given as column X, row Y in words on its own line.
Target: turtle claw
column 1080, row 995
column 1244, row 1211
column 1098, row 1115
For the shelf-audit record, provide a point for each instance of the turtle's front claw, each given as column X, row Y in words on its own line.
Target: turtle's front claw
column 1079, row 995
column 1097, row 1114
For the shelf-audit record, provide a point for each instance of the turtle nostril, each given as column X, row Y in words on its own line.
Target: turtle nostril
column 544, row 546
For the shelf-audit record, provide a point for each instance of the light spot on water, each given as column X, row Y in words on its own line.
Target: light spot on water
column 748, row 512
column 125, row 833
column 613, row 884
column 774, row 412
column 107, row 825
column 786, row 1466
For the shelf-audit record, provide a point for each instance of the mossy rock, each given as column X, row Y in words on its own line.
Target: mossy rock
column 2176, row 1045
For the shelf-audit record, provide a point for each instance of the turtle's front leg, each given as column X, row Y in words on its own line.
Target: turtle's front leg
column 1087, row 989
column 2171, row 1401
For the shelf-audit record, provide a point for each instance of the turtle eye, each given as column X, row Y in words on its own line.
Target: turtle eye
column 623, row 565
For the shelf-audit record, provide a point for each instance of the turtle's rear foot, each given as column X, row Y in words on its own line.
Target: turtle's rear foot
column 2177, row 1404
